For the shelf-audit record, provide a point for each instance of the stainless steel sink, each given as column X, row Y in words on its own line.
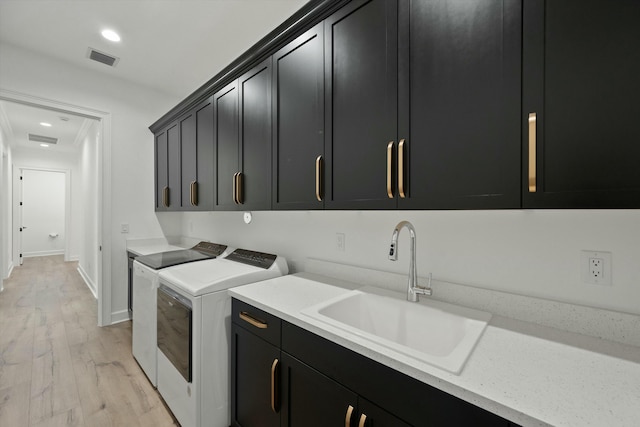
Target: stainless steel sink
column 433, row 332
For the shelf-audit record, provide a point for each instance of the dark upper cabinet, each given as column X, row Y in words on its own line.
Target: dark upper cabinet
column 242, row 129
column 298, row 123
column 253, row 186
column 458, row 143
column 581, row 140
column 360, row 103
column 196, row 136
column 226, row 137
column 161, row 171
column 173, row 148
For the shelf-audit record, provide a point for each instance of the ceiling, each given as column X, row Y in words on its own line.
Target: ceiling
column 172, row 46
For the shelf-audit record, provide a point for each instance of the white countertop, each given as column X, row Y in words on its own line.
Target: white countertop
column 141, row 247
column 530, row 374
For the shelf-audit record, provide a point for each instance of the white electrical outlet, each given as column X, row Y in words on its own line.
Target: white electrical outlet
column 340, row 241
column 595, row 267
column 124, row 228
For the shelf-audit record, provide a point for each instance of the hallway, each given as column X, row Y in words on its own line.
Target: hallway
column 57, row 368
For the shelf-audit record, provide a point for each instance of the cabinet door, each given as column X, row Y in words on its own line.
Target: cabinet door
column 162, row 170
column 204, row 178
column 298, row 122
column 360, row 104
column 251, row 380
column 581, row 64
column 371, row 415
column 226, row 145
column 310, row 399
column 459, row 104
column 255, row 138
column 189, row 156
column 173, row 148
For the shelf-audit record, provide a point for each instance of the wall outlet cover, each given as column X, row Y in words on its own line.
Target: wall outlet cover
column 595, row 267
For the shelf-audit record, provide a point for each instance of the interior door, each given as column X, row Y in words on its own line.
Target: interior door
column 42, row 213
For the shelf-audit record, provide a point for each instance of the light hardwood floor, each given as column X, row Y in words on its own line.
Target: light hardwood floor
column 57, row 368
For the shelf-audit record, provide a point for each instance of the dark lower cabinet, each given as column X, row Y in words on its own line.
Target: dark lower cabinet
column 251, row 380
column 317, row 383
column 581, row 64
column 311, row 399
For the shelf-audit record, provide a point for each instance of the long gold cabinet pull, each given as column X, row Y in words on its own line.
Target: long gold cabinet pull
column 363, row 420
column 165, row 197
column 239, row 200
column 401, row 172
column 319, row 189
column 275, row 404
column 390, row 146
column 194, row 193
column 348, row 416
column 235, row 190
column 533, row 117
column 258, row 323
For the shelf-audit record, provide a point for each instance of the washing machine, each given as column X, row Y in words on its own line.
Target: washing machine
column 194, row 332
column 145, row 284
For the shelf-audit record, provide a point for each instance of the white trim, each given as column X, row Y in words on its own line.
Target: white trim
column 104, row 189
column 74, row 258
column 42, row 253
column 10, row 269
column 88, row 281
column 120, row 316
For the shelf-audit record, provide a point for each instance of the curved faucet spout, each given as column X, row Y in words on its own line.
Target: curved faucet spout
column 413, row 290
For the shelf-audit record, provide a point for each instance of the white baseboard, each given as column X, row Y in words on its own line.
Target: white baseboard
column 120, row 316
column 42, row 253
column 73, row 258
column 10, row 270
column 88, row 281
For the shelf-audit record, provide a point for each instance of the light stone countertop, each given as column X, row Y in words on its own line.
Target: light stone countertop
column 530, row 374
column 151, row 246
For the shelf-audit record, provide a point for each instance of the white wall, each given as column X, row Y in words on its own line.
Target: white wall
column 37, row 159
column 132, row 109
column 88, row 164
column 43, row 212
column 6, row 235
column 527, row 252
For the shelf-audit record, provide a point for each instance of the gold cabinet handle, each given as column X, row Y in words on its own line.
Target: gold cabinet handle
column 401, row 172
column 347, row 418
column 165, row 197
column 319, row 178
column 363, row 420
column 235, row 192
column 274, row 389
column 194, row 193
column 258, row 323
column 532, row 152
column 389, row 169
column 239, row 188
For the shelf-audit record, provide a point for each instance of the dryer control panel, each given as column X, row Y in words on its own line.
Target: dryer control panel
column 256, row 259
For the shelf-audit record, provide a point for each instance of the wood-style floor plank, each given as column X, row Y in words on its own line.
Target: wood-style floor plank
column 57, row 368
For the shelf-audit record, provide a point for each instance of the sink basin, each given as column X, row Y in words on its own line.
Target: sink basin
column 432, row 332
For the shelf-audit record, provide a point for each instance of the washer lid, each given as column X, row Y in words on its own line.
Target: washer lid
column 213, row 275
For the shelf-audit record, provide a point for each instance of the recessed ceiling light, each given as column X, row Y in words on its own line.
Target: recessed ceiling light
column 45, row 124
column 44, row 145
column 111, row 35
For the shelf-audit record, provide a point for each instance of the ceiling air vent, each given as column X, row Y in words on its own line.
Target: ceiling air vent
column 45, row 139
column 102, row 57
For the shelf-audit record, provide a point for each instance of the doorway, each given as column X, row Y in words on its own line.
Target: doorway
column 98, row 243
column 44, row 213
